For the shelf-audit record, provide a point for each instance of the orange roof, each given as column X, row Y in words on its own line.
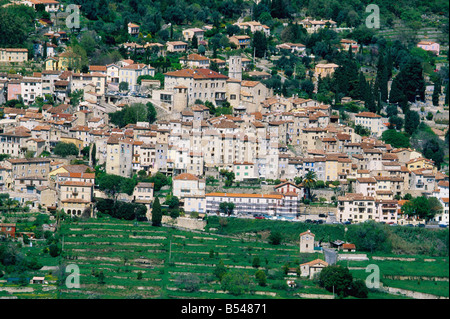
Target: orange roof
column 368, row 114
column 245, row 195
column 197, row 74
column 307, row 232
column 185, row 177
column 75, row 183
column 316, row 262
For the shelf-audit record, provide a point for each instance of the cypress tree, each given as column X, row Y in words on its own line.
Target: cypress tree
column 446, row 95
column 370, row 104
column 436, row 92
column 362, row 83
column 396, row 95
column 389, row 64
column 156, row 213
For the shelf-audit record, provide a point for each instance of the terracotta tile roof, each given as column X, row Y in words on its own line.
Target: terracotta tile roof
column 197, row 74
column 185, row 177
column 272, row 196
column 368, row 114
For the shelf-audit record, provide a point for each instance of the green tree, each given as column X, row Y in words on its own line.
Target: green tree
column 220, row 270
column 65, row 149
column 337, row 279
column 123, row 86
column 256, row 263
column 236, row 282
column 275, row 238
column 436, row 92
column 369, row 236
column 156, row 213
column 432, row 150
column 226, row 208
column 395, row 139
column 435, row 207
column 151, row 113
column 259, row 44
column 229, row 177
column 194, row 42
column 412, row 121
column 309, row 182
column 112, row 185
column 261, row 277
column 359, row 289
column 396, row 122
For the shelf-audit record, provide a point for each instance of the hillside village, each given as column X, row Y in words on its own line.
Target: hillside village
column 209, row 117
column 208, row 122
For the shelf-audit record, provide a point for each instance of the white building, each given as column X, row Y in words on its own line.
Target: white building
column 31, row 89
column 131, row 73
column 374, row 122
column 187, row 184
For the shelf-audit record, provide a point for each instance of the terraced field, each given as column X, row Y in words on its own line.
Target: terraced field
column 142, row 261
column 127, row 260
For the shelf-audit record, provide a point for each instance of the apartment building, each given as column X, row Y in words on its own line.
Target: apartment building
column 246, row 203
column 358, row 208
column 75, row 197
column 31, row 88
column 131, row 73
column 202, row 84
column 245, row 170
column 119, row 155
column 374, row 122
column 96, row 79
column 21, row 167
column 13, row 142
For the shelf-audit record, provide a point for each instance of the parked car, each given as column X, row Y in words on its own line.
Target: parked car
column 347, row 222
column 421, row 225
